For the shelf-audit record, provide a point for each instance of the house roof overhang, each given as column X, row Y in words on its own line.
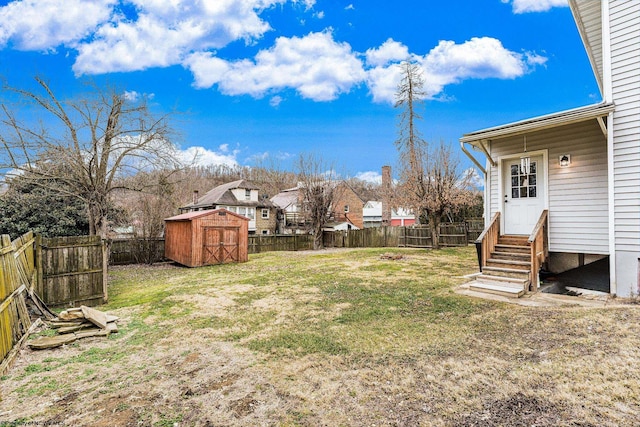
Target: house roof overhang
column 576, row 115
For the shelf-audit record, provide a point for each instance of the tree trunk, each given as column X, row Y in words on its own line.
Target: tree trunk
column 318, row 240
column 434, row 224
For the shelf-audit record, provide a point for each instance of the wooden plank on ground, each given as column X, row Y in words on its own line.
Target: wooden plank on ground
column 70, row 315
column 52, row 342
column 92, row 333
column 8, row 360
column 94, row 316
column 112, row 318
column 75, row 328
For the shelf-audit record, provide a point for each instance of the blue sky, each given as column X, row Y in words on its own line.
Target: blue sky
column 263, row 80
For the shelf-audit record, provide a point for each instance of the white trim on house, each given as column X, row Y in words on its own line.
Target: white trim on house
column 576, row 115
column 588, row 18
column 612, row 209
column 606, row 86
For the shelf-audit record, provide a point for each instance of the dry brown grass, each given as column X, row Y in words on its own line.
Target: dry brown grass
column 333, row 338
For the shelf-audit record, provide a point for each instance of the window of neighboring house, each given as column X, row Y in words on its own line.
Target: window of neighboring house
column 346, row 208
column 251, row 213
column 265, row 232
column 265, row 213
column 247, row 194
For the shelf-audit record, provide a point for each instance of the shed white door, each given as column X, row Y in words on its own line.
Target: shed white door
column 524, row 195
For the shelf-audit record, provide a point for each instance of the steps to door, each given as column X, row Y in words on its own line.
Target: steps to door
column 508, row 269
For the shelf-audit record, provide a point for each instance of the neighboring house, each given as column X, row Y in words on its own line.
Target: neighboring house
column 346, row 210
column 348, row 206
column 401, row 217
column 241, row 197
column 291, row 219
column 570, row 181
column 372, row 215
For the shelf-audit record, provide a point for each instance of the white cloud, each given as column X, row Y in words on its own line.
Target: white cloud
column 350, row 7
column 46, row 24
column 525, row 6
column 259, row 157
column 373, row 177
column 275, row 101
column 162, row 33
column 319, row 15
column 476, row 180
column 205, row 157
column 308, row 3
column 450, row 63
column 389, row 51
column 166, row 32
column 131, row 95
column 315, row 65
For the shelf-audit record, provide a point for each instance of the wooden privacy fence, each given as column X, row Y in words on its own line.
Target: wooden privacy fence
column 61, row 271
column 136, row 251
column 17, row 277
column 72, row 270
column 374, row 237
column 451, row 234
column 291, row 242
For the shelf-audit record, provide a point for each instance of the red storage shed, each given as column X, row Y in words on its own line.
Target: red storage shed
column 207, row 237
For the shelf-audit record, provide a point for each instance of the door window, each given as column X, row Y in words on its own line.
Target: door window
column 524, row 185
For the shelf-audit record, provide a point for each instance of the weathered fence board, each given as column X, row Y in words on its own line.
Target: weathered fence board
column 14, row 318
column 136, row 251
column 475, row 227
column 290, row 242
column 73, row 271
column 415, row 237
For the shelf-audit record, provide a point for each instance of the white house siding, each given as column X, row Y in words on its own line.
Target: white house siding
column 625, row 68
column 578, row 202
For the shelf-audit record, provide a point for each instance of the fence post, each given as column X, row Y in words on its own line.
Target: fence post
column 105, row 269
column 39, row 278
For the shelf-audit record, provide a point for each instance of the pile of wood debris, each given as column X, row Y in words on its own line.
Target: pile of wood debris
column 76, row 323
column 392, row 257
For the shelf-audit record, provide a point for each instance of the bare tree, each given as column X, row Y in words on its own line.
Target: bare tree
column 431, row 183
column 95, row 140
column 444, row 188
column 319, row 189
column 409, row 99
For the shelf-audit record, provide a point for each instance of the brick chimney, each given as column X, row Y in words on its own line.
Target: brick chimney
column 386, row 195
column 195, row 197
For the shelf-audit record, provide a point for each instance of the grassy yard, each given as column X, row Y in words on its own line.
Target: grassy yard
column 334, row 338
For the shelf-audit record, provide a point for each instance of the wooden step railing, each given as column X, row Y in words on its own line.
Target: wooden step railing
column 487, row 241
column 539, row 242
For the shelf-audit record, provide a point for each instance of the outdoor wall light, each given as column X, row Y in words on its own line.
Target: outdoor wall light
column 565, row 160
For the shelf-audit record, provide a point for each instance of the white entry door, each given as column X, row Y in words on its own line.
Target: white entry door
column 524, row 194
